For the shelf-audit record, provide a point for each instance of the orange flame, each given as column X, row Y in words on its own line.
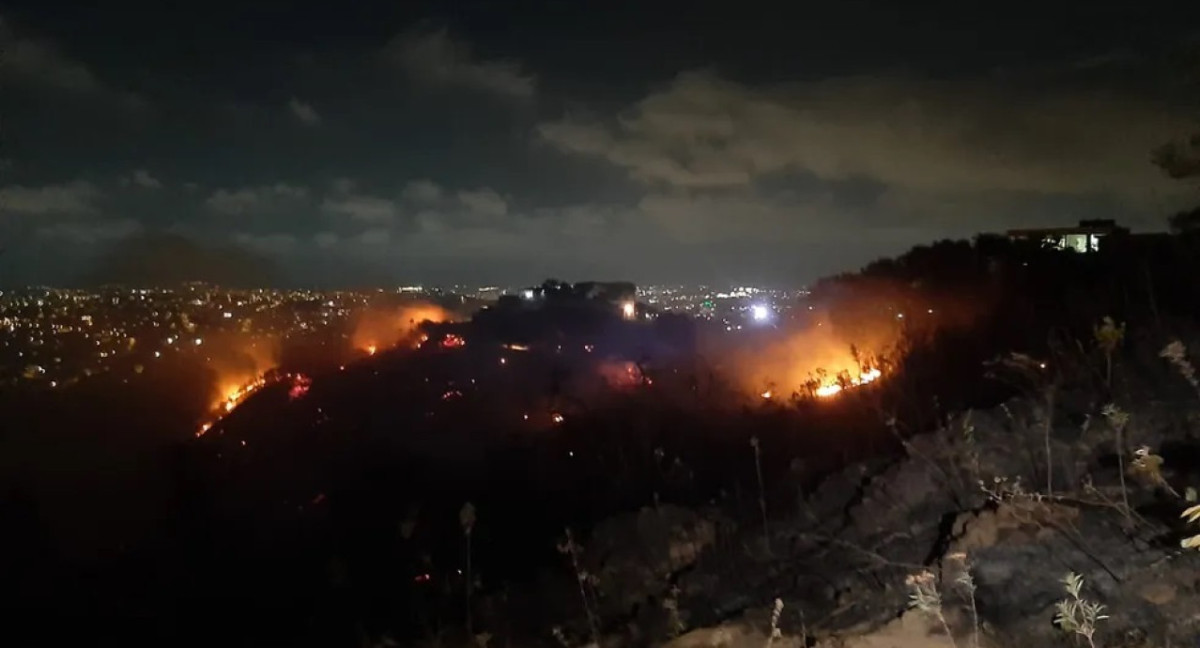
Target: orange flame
column 383, row 328
column 235, row 396
column 231, row 397
column 828, row 389
column 815, row 360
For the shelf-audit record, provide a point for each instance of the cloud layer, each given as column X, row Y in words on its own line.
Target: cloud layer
column 404, row 159
column 704, row 132
column 436, row 56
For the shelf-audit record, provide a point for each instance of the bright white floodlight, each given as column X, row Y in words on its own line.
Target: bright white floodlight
column 760, row 313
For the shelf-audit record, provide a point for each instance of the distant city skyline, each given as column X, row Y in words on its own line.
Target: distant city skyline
column 53, row 338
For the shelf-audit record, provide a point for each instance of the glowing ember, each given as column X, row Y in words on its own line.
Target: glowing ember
column 767, row 394
column 621, row 375
column 300, row 385
column 452, row 341
column 371, row 349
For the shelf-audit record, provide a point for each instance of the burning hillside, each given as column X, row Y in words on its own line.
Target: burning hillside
column 299, row 385
column 817, row 360
column 380, row 328
column 241, row 365
column 238, row 362
column 849, row 335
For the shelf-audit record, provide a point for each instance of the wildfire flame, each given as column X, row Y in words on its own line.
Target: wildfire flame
column 834, row 388
column 808, row 356
column 383, row 328
column 230, row 398
column 234, row 396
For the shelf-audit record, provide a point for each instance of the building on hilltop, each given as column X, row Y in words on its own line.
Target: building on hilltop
column 1084, row 237
column 611, row 292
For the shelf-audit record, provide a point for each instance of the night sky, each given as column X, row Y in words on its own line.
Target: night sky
column 363, row 142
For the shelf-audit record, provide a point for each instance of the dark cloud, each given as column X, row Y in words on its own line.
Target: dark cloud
column 74, row 197
column 639, row 141
column 702, row 131
column 434, row 56
column 304, row 112
column 256, row 200
column 165, row 259
column 141, row 178
column 39, row 63
column 366, row 209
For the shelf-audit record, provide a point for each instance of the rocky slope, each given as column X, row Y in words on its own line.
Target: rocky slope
column 970, row 509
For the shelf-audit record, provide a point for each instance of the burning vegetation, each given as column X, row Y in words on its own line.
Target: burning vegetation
column 298, row 388
column 812, row 359
column 242, row 367
column 854, row 331
column 380, row 328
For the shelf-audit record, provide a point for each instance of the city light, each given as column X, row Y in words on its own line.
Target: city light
column 629, row 310
column 760, row 313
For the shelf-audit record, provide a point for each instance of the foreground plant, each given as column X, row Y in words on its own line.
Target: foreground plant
column 572, row 549
column 776, row 633
column 923, row 595
column 466, row 518
column 1109, row 336
column 762, row 498
column 1147, row 467
column 1191, row 514
column 1176, row 354
column 675, row 625
column 1118, row 420
column 1075, row 614
column 967, row 582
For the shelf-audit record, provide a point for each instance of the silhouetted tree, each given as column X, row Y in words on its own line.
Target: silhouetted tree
column 1185, row 221
column 1179, row 159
